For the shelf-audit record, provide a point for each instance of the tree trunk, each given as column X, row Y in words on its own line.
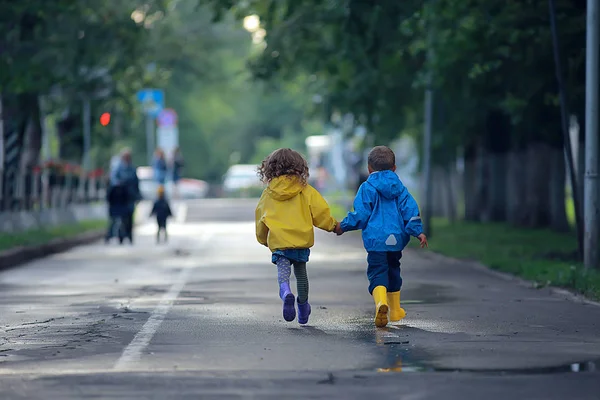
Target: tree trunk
column 497, row 142
column 13, row 120
column 557, row 184
column 537, row 197
column 496, row 206
column 71, row 137
column 437, row 192
column 515, row 187
column 32, row 139
column 450, row 182
column 469, row 178
column 481, row 184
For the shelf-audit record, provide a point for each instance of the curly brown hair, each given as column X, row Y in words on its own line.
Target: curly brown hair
column 283, row 162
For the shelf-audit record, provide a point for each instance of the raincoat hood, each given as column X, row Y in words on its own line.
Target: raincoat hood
column 386, row 183
column 284, row 187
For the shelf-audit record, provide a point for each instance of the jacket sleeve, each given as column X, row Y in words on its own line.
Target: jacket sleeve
column 262, row 230
column 169, row 212
column 153, row 210
column 320, row 212
column 363, row 207
column 409, row 210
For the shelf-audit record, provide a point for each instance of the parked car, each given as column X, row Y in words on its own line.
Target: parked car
column 192, row 188
column 242, row 180
column 188, row 188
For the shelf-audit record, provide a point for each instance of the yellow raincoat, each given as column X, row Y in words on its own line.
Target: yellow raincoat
column 287, row 212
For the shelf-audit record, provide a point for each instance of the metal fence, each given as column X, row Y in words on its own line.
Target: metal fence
column 38, row 188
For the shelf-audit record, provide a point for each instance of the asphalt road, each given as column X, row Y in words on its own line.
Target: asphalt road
column 200, row 317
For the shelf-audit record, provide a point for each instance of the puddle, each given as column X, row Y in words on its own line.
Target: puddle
column 399, row 353
column 585, row 366
column 401, row 359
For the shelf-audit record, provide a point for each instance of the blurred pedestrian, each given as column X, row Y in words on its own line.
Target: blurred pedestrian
column 117, row 199
column 388, row 216
column 125, row 175
column 285, row 215
column 177, row 167
column 162, row 211
column 159, row 167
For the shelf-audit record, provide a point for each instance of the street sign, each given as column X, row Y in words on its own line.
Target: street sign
column 167, row 132
column 168, row 139
column 152, row 100
column 167, row 118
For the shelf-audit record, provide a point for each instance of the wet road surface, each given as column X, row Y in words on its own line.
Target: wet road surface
column 200, row 316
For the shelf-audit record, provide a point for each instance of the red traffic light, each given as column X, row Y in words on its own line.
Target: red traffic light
column 105, row 119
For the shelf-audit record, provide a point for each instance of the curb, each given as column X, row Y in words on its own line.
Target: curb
column 20, row 255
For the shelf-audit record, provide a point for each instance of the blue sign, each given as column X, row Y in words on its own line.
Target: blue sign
column 153, row 101
column 167, row 118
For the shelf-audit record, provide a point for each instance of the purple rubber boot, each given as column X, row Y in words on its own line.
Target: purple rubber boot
column 303, row 313
column 289, row 312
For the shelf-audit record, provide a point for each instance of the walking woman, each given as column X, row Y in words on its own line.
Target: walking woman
column 125, row 178
column 159, row 167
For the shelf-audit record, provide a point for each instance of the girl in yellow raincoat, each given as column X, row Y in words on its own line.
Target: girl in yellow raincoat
column 285, row 215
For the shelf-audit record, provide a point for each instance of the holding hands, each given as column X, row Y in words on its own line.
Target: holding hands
column 423, row 240
column 422, row 237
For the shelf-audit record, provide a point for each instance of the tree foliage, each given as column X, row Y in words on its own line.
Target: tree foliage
column 65, row 51
column 492, row 73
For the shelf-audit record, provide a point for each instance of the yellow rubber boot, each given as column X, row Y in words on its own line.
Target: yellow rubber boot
column 381, row 306
column 396, row 311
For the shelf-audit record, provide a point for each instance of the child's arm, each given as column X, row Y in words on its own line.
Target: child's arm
column 169, row 212
column 262, row 230
column 321, row 213
column 363, row 208
column 153, row 210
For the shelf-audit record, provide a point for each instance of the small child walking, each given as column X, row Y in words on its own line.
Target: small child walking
column 388, row 216
column 285, row 215
column 162, row 211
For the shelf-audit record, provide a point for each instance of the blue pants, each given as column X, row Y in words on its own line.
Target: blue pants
column 384, row 270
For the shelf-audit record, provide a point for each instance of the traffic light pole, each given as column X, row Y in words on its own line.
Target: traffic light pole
column 592, row 84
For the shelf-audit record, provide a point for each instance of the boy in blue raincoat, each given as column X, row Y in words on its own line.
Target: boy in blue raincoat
column 388, row 216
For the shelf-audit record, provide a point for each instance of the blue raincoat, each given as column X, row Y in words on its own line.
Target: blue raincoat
column 386, row 212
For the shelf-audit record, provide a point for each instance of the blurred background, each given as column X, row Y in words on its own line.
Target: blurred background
column 465, row 92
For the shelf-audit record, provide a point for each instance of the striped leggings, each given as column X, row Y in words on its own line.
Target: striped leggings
column 284, row 271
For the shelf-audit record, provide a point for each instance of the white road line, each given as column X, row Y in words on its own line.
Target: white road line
column 133, row 351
